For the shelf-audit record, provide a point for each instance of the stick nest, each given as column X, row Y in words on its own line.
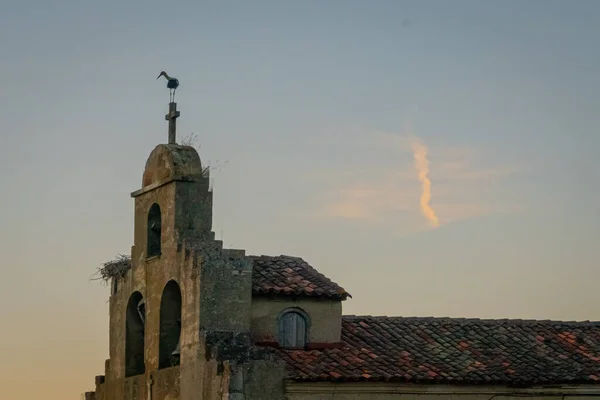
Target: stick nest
column 113, row 269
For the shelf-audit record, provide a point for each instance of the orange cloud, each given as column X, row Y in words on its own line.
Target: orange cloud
column 348, row 210
column 385, row 190
column 364, row 201
column 422, row 165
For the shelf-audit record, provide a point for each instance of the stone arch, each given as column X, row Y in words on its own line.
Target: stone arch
column 170, row 325
column 294, row 327
column 135, row 316
column 153, row 247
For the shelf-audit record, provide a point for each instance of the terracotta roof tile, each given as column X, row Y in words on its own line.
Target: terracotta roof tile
column 282, row 275
column 454, row 350
column 291, row 276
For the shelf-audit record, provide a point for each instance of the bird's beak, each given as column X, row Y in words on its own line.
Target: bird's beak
column 159, row 76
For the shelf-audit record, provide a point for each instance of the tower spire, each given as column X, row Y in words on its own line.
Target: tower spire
column 172, row 84
column 172, row 118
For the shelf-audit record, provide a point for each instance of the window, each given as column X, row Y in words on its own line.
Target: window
column 134, row 335
column 170, row 326
column 293, row 328
column 154, row 231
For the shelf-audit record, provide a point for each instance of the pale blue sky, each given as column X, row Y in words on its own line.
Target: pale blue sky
column 310, row 102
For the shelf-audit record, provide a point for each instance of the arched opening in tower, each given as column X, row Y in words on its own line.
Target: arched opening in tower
column 170, row 326
column 134, row 335
column 154, row 231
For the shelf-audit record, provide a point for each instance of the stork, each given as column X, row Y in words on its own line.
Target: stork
column 172, row 84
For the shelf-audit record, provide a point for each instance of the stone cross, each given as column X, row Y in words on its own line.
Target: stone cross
column 172, row 117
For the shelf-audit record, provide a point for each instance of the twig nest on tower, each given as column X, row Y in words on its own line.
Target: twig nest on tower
column 116, row 268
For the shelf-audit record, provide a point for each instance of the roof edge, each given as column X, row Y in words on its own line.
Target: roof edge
column 273, row 293
column 471, row 320
column 455, row 388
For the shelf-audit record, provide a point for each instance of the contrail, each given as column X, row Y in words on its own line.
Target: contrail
column 422, row 165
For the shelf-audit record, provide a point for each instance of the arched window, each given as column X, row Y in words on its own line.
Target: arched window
column 154, row 231
column 134, row 335
column 293, row 328
column 170, row 326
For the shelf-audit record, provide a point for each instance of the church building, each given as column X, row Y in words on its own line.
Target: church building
column 192, row 320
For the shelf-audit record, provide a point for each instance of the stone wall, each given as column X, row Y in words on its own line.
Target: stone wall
column 325, row 318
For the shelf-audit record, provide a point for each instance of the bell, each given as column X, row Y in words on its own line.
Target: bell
column 177, row 350
column 155, row 226
column 141, row 309
column 175, row 355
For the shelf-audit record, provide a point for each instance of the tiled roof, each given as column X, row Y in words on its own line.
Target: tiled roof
column 285, row 275
column 455, row 351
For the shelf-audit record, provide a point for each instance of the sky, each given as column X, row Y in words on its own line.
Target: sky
column 434, row 158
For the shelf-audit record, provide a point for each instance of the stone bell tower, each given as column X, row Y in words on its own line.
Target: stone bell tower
column 180, row 314
column 174, row 184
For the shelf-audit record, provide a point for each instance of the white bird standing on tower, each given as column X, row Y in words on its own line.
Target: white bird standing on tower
column 172, row 84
